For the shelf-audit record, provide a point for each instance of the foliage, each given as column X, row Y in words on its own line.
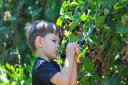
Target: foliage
column 15, row 75
column 103, row 24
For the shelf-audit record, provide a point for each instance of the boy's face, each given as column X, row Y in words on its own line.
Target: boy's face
column 50, row 45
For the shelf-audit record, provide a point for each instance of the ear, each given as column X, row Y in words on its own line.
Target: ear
column 38, row 42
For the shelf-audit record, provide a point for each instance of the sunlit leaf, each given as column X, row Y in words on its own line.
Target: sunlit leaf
column 84, row 17
column 74, row 4
column 59, row 21
column 73, row 25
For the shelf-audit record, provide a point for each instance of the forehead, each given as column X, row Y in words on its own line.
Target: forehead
column 53, row 36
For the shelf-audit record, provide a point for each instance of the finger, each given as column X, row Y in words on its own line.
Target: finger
column 77, row 50
column 69, row 44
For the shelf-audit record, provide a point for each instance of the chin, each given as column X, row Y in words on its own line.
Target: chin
column 53, row 57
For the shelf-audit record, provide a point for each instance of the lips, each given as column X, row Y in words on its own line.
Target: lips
column 56, row 51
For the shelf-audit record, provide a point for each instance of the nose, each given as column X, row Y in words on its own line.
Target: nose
column 57, row 45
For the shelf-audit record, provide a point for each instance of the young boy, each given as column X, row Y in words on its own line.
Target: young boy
column 43, row 39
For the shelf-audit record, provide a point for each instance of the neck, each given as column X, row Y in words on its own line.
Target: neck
column 42, row 56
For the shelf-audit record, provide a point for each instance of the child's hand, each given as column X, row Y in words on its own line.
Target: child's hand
column 77, row 50
column 72, row 50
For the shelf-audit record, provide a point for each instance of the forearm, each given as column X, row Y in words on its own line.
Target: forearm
column 74, row 69
column 67, row 74
column 67, row 69
column 74, row 74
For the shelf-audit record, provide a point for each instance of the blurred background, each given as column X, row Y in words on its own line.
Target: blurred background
column 100, row 26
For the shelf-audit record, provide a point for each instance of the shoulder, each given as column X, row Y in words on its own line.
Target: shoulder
column 43, row 65
column 39, row 63
column 44, row 70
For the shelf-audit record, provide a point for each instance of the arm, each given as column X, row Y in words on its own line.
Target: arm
column 64, row 76
column 74, row 70
column 74, row 75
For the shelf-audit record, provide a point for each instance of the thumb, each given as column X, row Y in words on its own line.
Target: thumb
column 77, row 50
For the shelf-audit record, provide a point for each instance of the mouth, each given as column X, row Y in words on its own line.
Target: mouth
column 56, row 51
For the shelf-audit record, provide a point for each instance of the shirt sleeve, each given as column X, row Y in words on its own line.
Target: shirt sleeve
column 45, row 72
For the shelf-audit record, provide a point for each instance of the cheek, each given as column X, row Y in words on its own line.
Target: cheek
column 49, row 46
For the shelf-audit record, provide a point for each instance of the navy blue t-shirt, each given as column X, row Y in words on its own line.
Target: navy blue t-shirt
column 43, row 71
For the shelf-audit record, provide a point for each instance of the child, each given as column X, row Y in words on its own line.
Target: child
column 43, row 39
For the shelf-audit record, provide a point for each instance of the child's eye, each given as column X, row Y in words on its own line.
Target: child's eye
column 54, row 41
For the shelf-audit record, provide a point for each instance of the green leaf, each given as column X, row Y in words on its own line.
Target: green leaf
column 73, row 25
column 67, row 15
column 64, row 5
column 88, row 65
column 72, row 37
column 115, row 80
column 106, row 81
column 91, row 2
column 106, row 11
column 117, row 56
column 59, row 21
column 94, row 38
column 50, row 13
column 80, row 1
column 1, row 3
column 99, row 20
column 120, row 28
column 76, row 16
column 35, row 12
column 123, row 19
column 84, row 17
column 106, row 29
column 74, row 4
column 109, row 3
